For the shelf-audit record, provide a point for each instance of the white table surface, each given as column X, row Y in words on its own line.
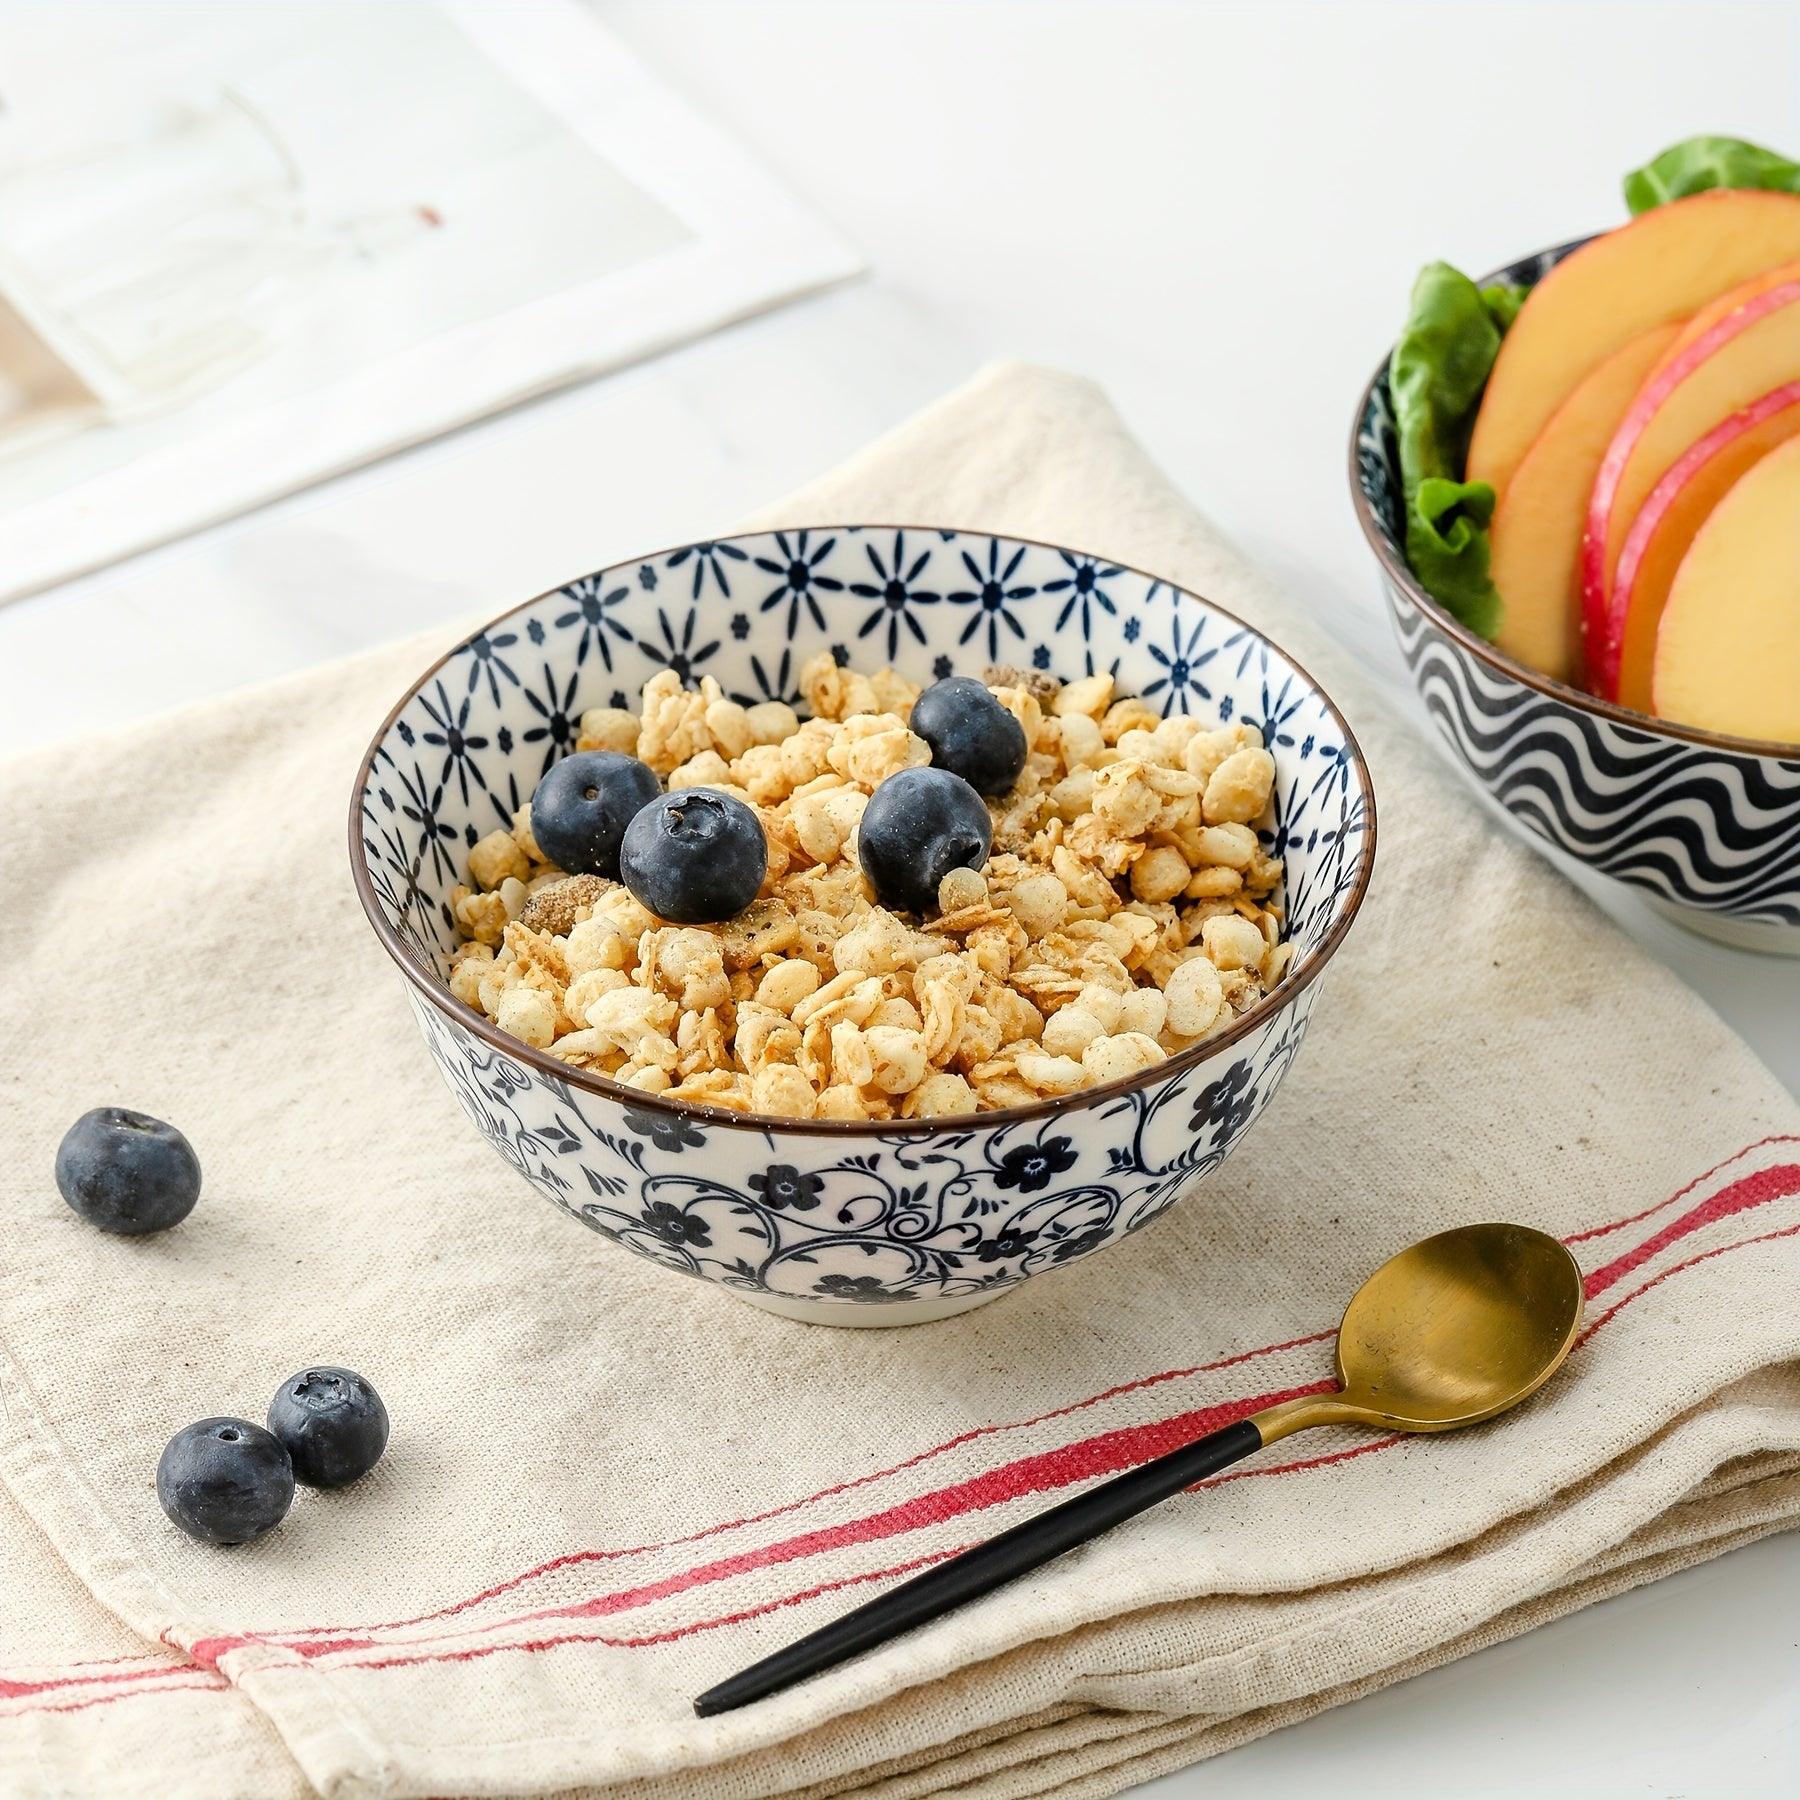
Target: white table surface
column 1215, row 211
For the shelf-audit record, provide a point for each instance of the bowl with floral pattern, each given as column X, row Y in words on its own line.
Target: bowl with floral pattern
column 839, row 1221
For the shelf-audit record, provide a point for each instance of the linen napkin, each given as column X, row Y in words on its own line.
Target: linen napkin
column 606, row 1488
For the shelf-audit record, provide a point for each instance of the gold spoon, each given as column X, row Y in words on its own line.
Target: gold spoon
column 1447, row 1333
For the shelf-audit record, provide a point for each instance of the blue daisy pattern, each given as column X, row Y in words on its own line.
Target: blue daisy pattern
column 995, row 597
column 422, row 800
column 775, row 679
column 486, row 664
column 451, row 734
column 394, row 871
column 1085, row 586
column 675, row 646
column 1252, row 652
column 593, row 616
column 817, row 1221
column 557, row 719
column 896, row 593
column 1283, row 712
column 796, row 561
column 508, row 798
column 1332, row 772
column 709, row 560
column 1178, row 687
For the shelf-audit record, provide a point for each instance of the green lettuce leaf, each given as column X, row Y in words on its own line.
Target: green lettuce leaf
column 1503, row 303
column 1436, row 375
column 1699, row 163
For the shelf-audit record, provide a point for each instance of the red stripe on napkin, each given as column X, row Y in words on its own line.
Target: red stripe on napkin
column 1774, row 1183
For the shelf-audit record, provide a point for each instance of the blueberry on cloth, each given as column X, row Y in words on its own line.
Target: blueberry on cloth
column 127, row 1172
column 918, row 826
column 580, row 809
column 695, row 858
column 331, row 1423
column 970, row 733
column 225, row 1481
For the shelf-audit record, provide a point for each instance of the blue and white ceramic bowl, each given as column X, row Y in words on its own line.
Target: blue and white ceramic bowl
column 850, row 1223
column 1707, row 826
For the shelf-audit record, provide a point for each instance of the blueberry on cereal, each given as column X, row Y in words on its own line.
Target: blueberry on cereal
column 970, row 733
column 126, row 1172
column 582, row 806
column 918, row 826
column 695, row 858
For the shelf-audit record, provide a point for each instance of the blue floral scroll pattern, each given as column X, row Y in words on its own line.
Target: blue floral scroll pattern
column 884, row 1218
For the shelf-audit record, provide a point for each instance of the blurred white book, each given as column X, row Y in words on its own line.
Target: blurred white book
column 244, row 247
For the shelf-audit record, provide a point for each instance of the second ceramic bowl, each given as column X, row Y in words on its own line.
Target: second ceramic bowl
column 1707, row 826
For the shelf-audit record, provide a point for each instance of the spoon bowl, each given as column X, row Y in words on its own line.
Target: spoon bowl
column 1450, row 1331
column 1456, row 1329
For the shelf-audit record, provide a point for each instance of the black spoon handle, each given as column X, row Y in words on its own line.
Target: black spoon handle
column 1027, row 1546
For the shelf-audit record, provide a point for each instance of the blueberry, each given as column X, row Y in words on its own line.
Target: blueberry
column 127, row 1172
column 970, row 733
column 582, row 806
column 695, row 858
column 225, row 1481
column 917, row 827
column 332, row 1423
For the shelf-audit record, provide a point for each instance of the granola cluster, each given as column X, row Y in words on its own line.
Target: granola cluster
column 1128, row 910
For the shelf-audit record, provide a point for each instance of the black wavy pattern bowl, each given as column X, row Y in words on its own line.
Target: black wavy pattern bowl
column 1708, row 827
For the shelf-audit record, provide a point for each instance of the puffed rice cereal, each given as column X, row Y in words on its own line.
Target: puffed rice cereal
column 1127, row 911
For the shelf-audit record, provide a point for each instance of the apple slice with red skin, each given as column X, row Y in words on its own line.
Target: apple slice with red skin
column 1727, row 303
column 1666, row 525
column 1535, row 538
column 1728, row 648
column 1662, row 267
column 1746, row 353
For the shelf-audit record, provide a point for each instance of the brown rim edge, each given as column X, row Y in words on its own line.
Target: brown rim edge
column 1484, row 652
column 769, row 1124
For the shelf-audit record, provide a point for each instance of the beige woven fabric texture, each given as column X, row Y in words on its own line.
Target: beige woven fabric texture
column 607, row 1488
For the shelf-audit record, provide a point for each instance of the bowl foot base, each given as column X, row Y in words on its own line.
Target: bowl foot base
column 1740, row 934
column 863, row 1313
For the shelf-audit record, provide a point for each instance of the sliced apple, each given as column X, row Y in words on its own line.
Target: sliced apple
column 1728, row 649
column 1535, row 542
column 1662, row 267
column 1728, row 302
column 1666, row 524
column 1750, row 351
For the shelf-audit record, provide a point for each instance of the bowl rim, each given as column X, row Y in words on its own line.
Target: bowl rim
column 770, row 1124
column 1395, row 565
